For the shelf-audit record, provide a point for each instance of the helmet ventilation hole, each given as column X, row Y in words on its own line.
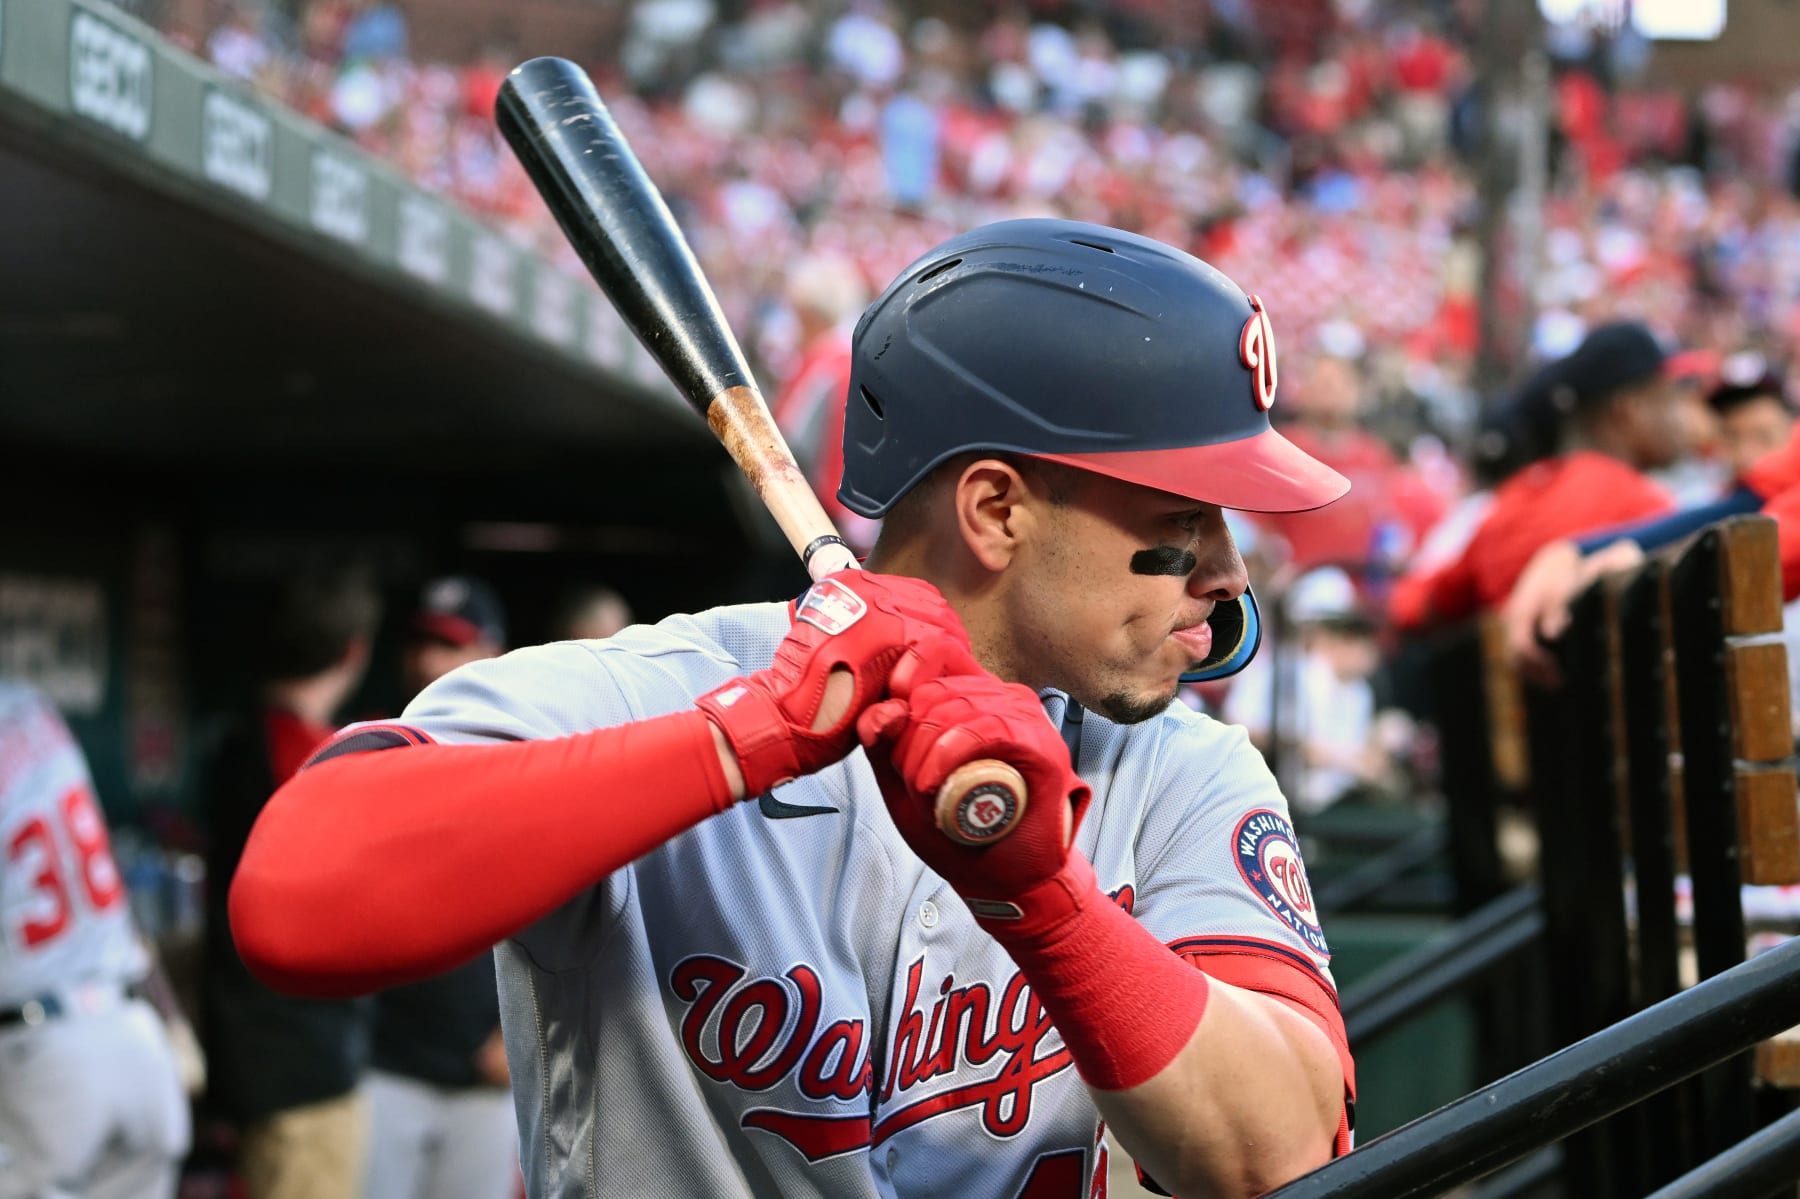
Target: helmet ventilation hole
column 1092, row 246
column 873, row 403
column 937, row 270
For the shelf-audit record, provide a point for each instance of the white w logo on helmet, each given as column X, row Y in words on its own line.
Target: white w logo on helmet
column 1256, row 346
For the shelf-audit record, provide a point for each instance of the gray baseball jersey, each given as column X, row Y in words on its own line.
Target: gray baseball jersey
column 63, row 915
column 90, row 1096
column 784, row 1001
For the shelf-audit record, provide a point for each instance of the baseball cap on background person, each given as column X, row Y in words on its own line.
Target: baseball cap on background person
column 1751, row 409
column 1698, row 367
column 1124, row 357
column 1611, row 359
column 1321, row 594
column 460, row 611
column 1744, row 376
column 459, row 620
column 1616, row 393
column 1326, row 596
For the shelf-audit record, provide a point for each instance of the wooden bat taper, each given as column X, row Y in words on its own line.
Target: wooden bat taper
column 618, row 223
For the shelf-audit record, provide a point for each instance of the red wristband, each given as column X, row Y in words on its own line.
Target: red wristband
column 1124, row 1004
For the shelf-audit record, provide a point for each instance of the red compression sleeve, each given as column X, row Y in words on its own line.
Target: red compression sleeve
column 373, row 869
column 1124, row 1004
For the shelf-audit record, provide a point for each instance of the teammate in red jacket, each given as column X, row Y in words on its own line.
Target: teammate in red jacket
column 1622, row 418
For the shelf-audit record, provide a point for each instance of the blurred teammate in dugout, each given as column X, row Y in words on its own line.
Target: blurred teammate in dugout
column 401, row 1095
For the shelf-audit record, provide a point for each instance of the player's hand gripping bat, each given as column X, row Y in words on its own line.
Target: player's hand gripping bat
column 618, row 223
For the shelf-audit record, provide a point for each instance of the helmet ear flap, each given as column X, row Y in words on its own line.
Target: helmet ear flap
column 1237, row 633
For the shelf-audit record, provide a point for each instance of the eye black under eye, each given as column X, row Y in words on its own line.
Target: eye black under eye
column 1164, row 560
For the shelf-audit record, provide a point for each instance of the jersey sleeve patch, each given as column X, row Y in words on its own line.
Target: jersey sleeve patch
column 366, row 738
column 1268, row 860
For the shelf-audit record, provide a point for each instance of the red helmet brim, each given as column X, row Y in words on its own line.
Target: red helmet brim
column 1262, row 473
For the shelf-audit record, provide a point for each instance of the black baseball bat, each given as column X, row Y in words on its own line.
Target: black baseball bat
column 619, row 224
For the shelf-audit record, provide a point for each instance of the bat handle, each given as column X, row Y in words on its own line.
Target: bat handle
column 740, row 420
column 981, row 802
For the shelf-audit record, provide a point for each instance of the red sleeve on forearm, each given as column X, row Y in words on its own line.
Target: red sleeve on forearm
column 373, row 869
column 1440, row 596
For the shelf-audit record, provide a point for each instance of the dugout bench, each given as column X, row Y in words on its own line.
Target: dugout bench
column 1666, row 757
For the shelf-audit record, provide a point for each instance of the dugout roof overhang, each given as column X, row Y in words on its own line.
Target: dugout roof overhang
column 191, row 274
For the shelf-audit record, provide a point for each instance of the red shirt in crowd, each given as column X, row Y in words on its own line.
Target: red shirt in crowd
column 1775, row 478
column 810, row 412
column 1343, row 532
column 1560, row 497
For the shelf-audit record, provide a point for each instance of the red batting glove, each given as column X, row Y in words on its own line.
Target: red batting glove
column 882, row 629
column 1029, row 880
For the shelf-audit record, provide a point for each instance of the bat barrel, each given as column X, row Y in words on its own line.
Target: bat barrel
column 617, row 221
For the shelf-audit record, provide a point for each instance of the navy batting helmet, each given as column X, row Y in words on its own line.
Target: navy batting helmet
column 1083, row 345
column 1080, row 344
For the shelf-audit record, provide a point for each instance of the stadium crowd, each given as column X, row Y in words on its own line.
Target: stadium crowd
column 1318, row 152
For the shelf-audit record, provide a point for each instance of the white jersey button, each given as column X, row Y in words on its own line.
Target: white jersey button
column 928, row 914
column 893, row 1158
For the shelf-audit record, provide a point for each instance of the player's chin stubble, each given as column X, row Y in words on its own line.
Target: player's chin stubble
column 1122, row 707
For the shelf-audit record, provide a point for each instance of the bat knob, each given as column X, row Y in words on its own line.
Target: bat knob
column 980, row 803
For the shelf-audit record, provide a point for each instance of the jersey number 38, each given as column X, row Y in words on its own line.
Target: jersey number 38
column 47, row 855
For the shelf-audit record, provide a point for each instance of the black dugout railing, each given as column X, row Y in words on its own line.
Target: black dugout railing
column 1367, row 880
column 1570, row 1090
column 1666, row 751
column 1445, row 968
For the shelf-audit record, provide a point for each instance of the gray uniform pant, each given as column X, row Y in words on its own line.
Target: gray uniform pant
column 91, row 1107
column 431, row 1142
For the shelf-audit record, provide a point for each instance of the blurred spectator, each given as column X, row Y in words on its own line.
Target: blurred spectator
column 1310, row 702
column 285, row 1072
column 1756, row 419
column 1503, row 445
column 864, row 43
column 1304, row 149
column 441, row 1114
column 1755, row 415
column 91, row 1097
column 376, row 33
column 909, row 148
column 459, row 620
column 1701, row 472
column 240, row 46
column 827, row 295
column 1326, row 421
column 590, row 614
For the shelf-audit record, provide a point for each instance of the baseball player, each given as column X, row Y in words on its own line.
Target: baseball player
column 737, row 957
column 91, row 1100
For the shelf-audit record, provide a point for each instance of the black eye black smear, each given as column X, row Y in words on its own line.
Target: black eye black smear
column 1164, row 560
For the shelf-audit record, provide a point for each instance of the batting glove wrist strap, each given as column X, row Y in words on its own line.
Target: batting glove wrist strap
column 1039, row 910
column 759, row 733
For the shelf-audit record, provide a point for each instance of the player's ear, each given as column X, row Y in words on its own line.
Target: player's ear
column 993, row 510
